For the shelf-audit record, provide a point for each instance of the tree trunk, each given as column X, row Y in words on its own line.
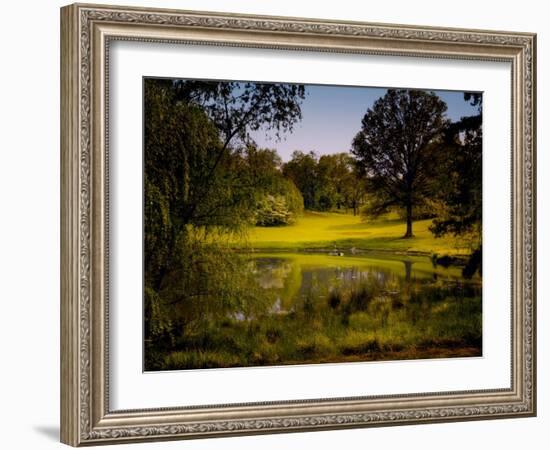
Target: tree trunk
column 409, row 233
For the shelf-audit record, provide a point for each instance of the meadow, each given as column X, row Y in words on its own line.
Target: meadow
column 344, row 231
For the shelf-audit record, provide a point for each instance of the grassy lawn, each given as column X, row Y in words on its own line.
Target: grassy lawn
column 328, row 230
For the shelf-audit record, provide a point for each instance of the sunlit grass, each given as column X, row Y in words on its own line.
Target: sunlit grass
column 317, row 230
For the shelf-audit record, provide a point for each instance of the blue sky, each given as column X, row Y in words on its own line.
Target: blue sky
column 331, row 117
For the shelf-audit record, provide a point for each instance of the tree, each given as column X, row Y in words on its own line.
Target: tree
column 236, row 109
column 278, row 200
column 459, row 187
column 194, row 171
column 302, row 170
column 326, row 182
column 240, row 107
column 332, row 174
column 353, row 188
column 396, row 149
column 198, row 184
column 272, row 210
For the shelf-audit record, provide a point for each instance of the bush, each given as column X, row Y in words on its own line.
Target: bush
column 282, row 206
column 272, row 211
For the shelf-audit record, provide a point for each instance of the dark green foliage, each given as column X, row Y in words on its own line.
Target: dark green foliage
column 329, row 182
column 460, row 189
column 240, row 107
column 396, row 149
column 201, row 183
column 302, row 170
column 460, row 182
column 189, row 179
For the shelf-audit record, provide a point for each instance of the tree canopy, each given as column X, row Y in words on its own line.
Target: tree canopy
column 326, row 182
column 240, row 107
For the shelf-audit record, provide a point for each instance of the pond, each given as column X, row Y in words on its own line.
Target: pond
column 305, row 308
column 297, row 276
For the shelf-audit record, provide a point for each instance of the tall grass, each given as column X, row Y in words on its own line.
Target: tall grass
column 374, row 319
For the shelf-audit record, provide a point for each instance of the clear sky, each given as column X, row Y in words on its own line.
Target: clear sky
column 331, row 117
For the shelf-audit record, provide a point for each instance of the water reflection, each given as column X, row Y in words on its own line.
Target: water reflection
column 297, row 308
column 296, row 277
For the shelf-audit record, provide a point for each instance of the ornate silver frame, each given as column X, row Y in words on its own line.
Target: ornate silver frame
column 86, row 31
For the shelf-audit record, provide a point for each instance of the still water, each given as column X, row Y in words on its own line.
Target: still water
column 299, row 276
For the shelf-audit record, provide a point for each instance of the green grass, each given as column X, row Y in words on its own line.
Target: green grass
column 317, row 230
column 431, row 324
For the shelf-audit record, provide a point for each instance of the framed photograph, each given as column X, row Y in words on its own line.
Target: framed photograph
column 278, row 224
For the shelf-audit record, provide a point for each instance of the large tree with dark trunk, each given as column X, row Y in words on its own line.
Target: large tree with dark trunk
column 396, row 150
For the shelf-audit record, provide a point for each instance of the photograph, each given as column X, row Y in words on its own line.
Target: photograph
column 288, row 224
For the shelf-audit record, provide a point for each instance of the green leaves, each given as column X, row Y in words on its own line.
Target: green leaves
column 201, row 184
column 326, row 182
column 397, row 149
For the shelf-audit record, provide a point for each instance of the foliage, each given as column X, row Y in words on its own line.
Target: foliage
column 193, row 175
column 329, row 182
column 189, row 179
column 272, row 211
column 396, row 149
column 210, row 283
column 460, row 184
column 200, row 186
column 293, row 198
column 281, row 208
column 278, row 202
column 460, row 189
column 301, row 169
column 240, row 107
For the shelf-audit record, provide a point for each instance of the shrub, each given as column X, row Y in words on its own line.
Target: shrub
column 282, row 205
column 272, row 210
